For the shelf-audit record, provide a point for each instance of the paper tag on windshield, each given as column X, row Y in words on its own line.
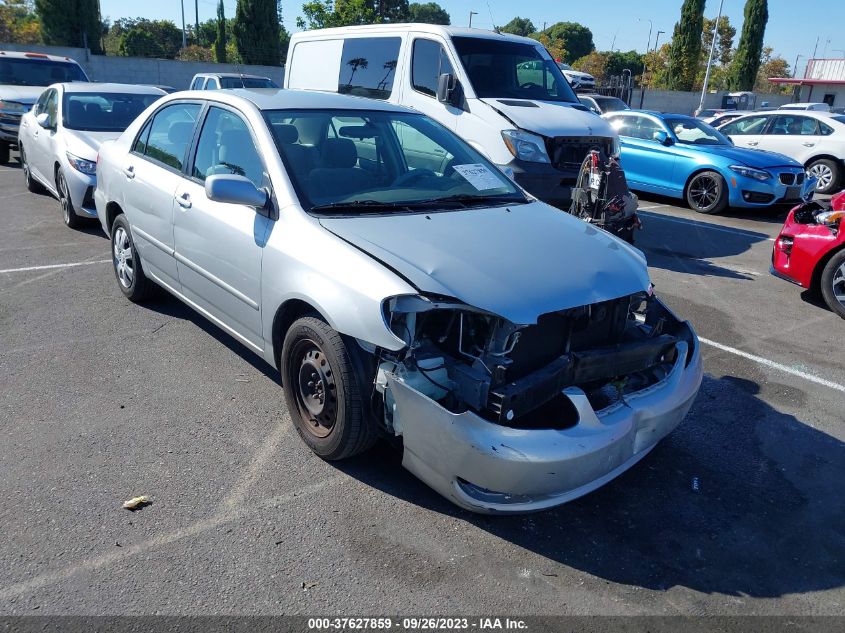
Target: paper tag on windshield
column 479, row 176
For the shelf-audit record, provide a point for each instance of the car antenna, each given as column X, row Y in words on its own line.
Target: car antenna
column 495, row 28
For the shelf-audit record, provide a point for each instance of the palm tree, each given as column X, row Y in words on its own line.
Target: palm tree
column 390, row 67
column 356, row 63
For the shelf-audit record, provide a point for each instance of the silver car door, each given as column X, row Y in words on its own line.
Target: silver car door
column 153, row 171
column 219, row 246
column 43, row 154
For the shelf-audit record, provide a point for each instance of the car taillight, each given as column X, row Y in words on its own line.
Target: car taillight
column 784, row 244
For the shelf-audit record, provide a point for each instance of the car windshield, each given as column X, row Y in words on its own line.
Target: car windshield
column 611, row 104
column 345, row 162
column 103, row 111
column 246, row 82
column 38, row 72
column 503, row 69
column 694, row 132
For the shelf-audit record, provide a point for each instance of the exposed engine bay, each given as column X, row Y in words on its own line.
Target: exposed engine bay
column 514, row 375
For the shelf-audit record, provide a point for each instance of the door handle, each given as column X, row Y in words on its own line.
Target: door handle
column 808, row 144
column 129, row 172
column 753, row 143
column 184, row 200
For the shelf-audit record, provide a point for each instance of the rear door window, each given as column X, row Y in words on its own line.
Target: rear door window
column 368, row 66
column 170, row 134
column 793, row 125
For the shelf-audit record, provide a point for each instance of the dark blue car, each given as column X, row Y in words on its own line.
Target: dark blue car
column 683, row 157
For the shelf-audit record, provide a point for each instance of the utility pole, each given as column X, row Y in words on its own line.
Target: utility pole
column 647, row 47
column 197, row 21
column 795, row 67
column 710, row 58
column 471, row 13
column 184, row 35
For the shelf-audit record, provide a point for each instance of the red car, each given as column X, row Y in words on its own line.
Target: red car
column 810, row 250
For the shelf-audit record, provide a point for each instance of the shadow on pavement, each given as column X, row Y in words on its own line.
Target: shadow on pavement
column 767, row 520
column 775, row 214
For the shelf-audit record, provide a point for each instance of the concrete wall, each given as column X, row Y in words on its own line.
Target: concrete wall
column 143, row 70
column 687, row 102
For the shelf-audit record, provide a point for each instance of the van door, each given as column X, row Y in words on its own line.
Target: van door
column 429, row 59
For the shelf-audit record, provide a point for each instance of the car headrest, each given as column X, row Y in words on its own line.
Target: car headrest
column 285, row 133
column 235, row 146
column 179, row 132
column 338, row 152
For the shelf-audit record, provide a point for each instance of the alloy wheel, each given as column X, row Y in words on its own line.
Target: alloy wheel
column 839, row 284
column 704, row 192
column 64, row 198
column 124, row 262
column 26, row 175
column 824, row 175
column 315, row 389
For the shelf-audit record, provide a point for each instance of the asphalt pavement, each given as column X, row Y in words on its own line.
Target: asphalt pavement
column 739, row 511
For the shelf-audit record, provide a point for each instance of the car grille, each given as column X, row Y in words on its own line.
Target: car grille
column 789, row 178
column 568, row 152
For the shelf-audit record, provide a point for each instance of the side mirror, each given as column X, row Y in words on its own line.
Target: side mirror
column 43, row 120
column 662, row 138
column 448, row 89
column 234, row 189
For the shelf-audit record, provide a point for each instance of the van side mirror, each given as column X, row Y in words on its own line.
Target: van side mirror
column 234, row 189
column 448, row 89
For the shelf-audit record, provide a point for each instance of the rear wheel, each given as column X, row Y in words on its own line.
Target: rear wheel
column 833, row 283
column 68, row 212
column 130, row 275
column 826, row 172
column 707, row 193
column 31, row 184
column 321, row 391
column 5, row 150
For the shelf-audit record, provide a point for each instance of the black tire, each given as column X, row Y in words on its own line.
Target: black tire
column 322, row 393
column 32, row 184
column 71, row 219
column 828, row 172
column 707, row 192
column 832, row 283
column 5, row 151
column 131, row 280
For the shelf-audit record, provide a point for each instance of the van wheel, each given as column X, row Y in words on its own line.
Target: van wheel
column 827, row 173
column 5, row 150
column 707, row 193
column 321, row 391
column 833, row 283
column 131, row 280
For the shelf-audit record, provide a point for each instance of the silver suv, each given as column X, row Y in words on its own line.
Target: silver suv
column 228, row 81
column 23, row 77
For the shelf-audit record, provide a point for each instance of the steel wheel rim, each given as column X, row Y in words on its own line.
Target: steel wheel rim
column 823, row 174
column 124, row 262
column 64, row 198
column 839, row 284
column 704, row 192
column 312, row 380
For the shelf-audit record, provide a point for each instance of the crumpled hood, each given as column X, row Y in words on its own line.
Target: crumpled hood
column 518, row 264
column 759, row 158
column 21, row 94
column 86, row 144
column 553, row 119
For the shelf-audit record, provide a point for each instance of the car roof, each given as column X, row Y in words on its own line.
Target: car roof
column 138, row 89
column 238, row 75
column 436, row 29
column 813, row 114
column 286, row 99
column 41, row 56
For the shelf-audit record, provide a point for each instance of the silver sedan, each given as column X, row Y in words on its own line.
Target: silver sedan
column 404, row 287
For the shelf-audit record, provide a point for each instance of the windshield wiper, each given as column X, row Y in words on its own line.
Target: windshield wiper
column 466, row 199
column 364, row 206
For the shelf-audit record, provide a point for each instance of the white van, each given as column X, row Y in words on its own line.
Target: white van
column 502, row 93
column 812, row 107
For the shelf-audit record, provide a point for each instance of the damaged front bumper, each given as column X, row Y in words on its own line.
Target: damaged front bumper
column 489, row 468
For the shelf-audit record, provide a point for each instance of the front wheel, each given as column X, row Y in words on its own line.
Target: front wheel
column 69, row 215
column 827, row 174
column 321, row 391
column 32, row 185
column 833, row 284
column 131, row 279
column 707, row 193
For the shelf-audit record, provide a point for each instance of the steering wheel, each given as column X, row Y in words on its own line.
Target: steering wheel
column 413, row 175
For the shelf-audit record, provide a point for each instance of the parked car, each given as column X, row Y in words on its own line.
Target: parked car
column 814, row 107
column 707, row 115
column 683, row 157
column 810, row 250
column 725, row 117
column 229, row 81
column 60, row 136
column 577, row 79
column 601, row 104
column 814, row 139
column 403, row 286
column 502, row 93
column 23, row 77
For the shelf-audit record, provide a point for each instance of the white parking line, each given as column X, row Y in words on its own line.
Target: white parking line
column 705, row 225
column 52, row 266
column 774, row 365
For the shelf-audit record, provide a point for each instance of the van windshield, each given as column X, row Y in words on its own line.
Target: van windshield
column 350, row 162
column 515, row 70
column 16, row 71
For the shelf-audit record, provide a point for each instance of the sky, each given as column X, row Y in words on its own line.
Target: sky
column 622, row 24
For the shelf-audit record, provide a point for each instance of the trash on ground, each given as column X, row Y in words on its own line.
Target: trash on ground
column 136, row 503
column 309, row 585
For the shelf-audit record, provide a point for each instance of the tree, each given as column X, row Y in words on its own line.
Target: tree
column 555, row 47
column 221, row 35
column 684, row 56
column 574, row 38
column 428, row 13
column 519, row 26
column 256, row 30
column 355, row 63
column 390, row 10
column 772, row 65
column 323, row 14
column 196, row 53
column 746, row 63
column 70, row 23
column 18, row 23
column 618, row 62
column 724, row 40
column 594, row 63
column 140, row 37
column 657, row 67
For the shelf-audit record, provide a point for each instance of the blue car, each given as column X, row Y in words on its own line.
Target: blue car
column 683, row 157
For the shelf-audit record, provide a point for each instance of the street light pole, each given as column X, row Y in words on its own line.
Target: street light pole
column 471, row 13
column 642, row 80
column 184, row 35
column 795, row 67
column 657, row 38
column 710, row 59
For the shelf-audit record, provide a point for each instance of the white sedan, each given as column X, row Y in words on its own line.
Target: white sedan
column 60, row 136
column 814, row 139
